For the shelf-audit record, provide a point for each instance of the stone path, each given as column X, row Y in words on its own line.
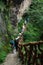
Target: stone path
column 12, row 59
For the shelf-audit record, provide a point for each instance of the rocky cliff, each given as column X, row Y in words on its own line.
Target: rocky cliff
column 17, row 9
column 23, row 7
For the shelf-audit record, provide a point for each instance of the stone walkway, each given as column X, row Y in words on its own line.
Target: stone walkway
column 12, row 59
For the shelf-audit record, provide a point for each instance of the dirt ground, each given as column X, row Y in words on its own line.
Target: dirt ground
column 12, row 59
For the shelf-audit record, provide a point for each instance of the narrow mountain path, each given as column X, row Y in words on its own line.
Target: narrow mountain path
column 12, row 59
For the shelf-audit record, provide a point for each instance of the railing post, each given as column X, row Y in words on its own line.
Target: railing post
column 32, row 56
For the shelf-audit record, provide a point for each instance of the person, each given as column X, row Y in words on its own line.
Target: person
column 16, row 41
column 12, row 44
column 24, row 27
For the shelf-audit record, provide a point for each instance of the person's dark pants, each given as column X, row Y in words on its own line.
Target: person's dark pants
column 16, row 45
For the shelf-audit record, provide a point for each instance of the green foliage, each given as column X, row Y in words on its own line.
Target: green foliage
column 2, row 6
column 32, row 33
column 4, row 50
column 35, row 14
column 34, row 30
column 2, row 56
column 20, row 25
column 8, row 34
column 5, row 37
column 35, row 26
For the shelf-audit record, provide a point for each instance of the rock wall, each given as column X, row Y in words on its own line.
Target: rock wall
column 23, row 7
column 18, row 10
column 2, row 25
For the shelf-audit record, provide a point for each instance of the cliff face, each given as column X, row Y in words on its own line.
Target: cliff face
column 17, row 9
column 2, row 25
column 23, row 7
column 17, row 2
column 16, row 12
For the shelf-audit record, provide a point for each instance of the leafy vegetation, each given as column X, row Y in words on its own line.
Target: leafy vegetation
column 34, row 30
column 34, row 26
column 5, row 32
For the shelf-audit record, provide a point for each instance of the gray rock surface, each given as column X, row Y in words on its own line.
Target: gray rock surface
column 12, row 59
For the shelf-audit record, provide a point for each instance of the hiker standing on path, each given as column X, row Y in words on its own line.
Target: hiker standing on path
column 16, row 41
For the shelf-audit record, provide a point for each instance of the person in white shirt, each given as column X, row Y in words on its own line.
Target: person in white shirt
column 23, row 28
